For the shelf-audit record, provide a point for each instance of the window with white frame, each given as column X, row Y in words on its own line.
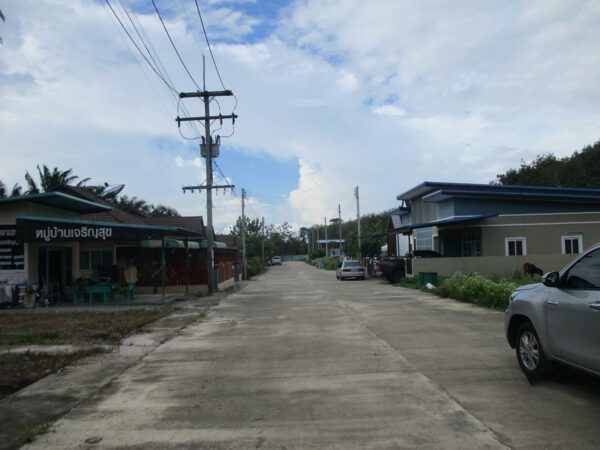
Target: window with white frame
column 572, row 244
column 515, row 246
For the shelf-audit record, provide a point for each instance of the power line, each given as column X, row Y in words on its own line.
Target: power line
column 147, row 43
column 208, row 44
column 174, row 47
column 139, row 50
column 122, row 36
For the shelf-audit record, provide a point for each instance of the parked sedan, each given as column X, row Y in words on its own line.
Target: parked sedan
column 276, row 261
column 559, row 319
column 350, row 269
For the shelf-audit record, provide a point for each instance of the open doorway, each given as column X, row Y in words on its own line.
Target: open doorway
column 56, row 272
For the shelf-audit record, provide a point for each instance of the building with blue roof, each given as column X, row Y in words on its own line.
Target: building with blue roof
column 493, row 229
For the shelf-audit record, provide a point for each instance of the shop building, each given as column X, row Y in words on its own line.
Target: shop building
column 69, row 238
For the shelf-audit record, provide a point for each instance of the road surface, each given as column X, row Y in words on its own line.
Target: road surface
column 298, row 359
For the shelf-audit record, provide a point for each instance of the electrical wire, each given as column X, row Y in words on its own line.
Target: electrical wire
column 179, row 128
column 147, row 43
column 208, row 44
column 173, row 44
column 138, row 48
column 122, row 36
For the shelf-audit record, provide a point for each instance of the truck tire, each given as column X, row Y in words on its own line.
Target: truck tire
column 397, row 276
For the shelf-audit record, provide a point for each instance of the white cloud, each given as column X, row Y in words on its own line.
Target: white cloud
column 471, row 90
column 389, row 110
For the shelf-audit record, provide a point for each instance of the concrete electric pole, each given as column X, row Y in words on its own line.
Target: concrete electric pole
column 209, row 150
column 340, row 227
column 326, row 241
column 244, row 265
column 263, row 239
column 357, row 196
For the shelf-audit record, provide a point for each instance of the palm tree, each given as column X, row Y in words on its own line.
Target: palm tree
column 128, row 204
column 163, row 211
column 16, row 190
column 50, row 179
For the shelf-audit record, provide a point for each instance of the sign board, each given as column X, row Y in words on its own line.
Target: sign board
column 12, row 250
column 49, row 232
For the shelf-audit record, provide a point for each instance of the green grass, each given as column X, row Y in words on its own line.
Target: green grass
column 473, row 288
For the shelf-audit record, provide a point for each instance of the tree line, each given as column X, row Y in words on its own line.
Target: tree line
column 579, row 170
column 283, row 240
column 50, row 179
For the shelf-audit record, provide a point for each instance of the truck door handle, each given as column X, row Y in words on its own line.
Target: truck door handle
column 552, row 302
column 595, row 306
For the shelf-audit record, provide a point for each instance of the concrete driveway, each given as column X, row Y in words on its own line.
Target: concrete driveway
column 300, row 360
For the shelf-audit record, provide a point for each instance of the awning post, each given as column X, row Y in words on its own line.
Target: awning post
column 187, row 268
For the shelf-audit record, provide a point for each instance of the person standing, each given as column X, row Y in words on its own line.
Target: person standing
column 130, row 273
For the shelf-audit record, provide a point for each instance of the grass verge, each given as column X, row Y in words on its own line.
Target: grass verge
column 473, row 288
column 91, row 327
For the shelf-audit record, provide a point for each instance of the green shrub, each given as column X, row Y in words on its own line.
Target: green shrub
column 255, row 266
column 328, row 263
column 477, row 289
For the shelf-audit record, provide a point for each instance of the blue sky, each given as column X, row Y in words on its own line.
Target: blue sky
column 332, row 94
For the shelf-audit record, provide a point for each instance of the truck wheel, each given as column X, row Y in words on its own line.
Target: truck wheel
column 529, row 352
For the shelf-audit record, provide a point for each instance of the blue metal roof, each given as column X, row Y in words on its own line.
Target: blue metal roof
column 573, row 196
column 493, row 190
column 446, row 221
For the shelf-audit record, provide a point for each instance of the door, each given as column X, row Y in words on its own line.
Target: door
column 573, row 314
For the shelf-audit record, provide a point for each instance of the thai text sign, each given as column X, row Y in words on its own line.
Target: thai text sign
column 71, row 233
column 12, row 250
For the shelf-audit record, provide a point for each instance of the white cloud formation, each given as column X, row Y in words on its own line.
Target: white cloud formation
column 389, row 110
column 379, row 94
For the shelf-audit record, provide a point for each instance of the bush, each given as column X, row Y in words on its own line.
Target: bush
column 255, row 266
column 328, row 263
column 477, row 289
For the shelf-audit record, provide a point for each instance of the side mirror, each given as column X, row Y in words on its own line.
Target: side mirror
column 551, row 279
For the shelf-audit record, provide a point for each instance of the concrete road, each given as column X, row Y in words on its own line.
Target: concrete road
column 300, row 360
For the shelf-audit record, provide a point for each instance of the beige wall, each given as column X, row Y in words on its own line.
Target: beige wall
column 493, row 266
column 8, row 214
column 542, row 232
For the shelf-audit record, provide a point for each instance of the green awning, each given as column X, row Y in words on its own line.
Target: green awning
column 169, row 243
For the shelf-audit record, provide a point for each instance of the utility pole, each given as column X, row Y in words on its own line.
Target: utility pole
column 318, row 248
column 326, row 241
column 340, row 227
column 210, row 148
column 357, row 196
column 244, row 267
column 263, row 239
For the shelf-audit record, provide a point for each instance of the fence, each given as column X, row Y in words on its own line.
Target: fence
column 294, row 257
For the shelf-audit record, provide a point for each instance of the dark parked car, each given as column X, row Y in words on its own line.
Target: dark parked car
column 559, row 319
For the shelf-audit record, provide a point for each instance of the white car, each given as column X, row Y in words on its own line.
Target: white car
column 350, row 269
column 276, row 260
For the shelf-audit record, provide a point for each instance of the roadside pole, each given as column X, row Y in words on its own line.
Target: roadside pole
column 326, row 241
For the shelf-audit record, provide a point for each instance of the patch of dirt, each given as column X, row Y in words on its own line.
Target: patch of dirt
column 91, row 327
column 21, row 369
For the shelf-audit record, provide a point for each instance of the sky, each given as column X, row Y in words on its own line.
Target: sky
column 335, row 94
